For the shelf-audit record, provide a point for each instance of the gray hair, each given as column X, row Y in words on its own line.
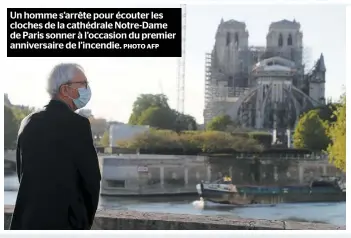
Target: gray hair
column 61, row 74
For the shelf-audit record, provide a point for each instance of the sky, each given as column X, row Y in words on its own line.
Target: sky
column 116, row 82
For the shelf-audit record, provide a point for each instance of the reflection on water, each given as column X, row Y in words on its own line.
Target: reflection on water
column 334, row 213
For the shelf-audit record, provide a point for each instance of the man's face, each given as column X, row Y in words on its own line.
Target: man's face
column 70, row 89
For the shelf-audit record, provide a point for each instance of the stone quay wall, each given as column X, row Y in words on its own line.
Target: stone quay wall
column 272, row 171
column 134, row 174
column 133, row 220
column 151, row 174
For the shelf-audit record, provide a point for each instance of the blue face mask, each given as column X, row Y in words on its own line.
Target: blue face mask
column 84, row 97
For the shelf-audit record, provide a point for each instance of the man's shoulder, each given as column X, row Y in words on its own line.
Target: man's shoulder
column 29, row 117
column 81, row 119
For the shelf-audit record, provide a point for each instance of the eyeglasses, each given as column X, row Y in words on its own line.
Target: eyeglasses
column 85, row 83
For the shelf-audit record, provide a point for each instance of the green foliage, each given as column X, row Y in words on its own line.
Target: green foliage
column 143, row 102
column 337, row 133
column 98, row 126
column 184, row 122
column 157, row 117
column 12, row 120
column 326, row 112
column 153, row 110
column 20, row 112
column 310, row 132
column 10, row 128
column 217, row 140
column 105, row 139
column 133, row 119
column 263, row 138
column 153, row 139
column 219, row 123
column 210, row 141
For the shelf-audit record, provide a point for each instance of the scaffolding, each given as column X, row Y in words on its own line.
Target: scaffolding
column 208, row 74
column 208, row 88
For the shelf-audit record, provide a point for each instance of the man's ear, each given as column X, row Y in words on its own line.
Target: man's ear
column 63, row 90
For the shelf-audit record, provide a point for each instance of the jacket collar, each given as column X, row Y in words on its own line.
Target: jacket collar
column 55, row 103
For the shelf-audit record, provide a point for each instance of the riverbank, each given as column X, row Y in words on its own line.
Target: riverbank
column 332, row 213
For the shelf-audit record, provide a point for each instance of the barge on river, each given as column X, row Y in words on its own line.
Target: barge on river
column 223, row 191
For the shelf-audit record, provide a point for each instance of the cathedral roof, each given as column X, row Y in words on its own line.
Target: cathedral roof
column 284, row 24
column 276, row 60
column 232, row 23
column 276, row 68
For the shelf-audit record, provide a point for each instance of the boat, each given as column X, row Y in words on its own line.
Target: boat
column 322, row 189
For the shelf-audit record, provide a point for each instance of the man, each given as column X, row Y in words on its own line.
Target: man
column 57, row 164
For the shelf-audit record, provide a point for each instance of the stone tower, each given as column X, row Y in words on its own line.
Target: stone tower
column 284, row 39
column 231, row 40
column 316, row 80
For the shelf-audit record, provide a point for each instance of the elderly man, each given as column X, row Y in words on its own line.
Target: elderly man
column 57, row 164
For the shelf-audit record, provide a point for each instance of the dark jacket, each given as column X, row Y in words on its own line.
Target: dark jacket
column 58, row 170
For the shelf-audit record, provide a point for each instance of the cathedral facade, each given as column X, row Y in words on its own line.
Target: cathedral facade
column 265, row 88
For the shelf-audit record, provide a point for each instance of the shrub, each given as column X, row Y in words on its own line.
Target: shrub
column 191, row 142
column 264, row 138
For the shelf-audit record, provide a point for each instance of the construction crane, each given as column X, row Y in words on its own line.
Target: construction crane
column 181, row 66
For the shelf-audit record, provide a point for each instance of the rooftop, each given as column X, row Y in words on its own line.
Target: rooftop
column 285, row 24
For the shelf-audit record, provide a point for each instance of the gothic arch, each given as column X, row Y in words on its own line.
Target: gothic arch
column 280, row 40
column 289, row 39
column 236, row 39
column 228, row 38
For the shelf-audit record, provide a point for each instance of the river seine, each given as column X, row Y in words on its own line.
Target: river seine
column 333, row 213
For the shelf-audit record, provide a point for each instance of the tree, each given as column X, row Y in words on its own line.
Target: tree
column 20, row 112
column 326, row 112
column 153, row 139
column 219, row 123
column 105, row 139
column 153, row 110
column 10, row 128
column 337, row 133
column 98, row 126
column 184, row 122
column 13, row 117
column 210, row 141
column 133, row 119
column 143, row 102
column 157, row 117
column 310, row 132
column 264, row 138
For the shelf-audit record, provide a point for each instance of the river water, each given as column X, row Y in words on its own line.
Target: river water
column 333, row 213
